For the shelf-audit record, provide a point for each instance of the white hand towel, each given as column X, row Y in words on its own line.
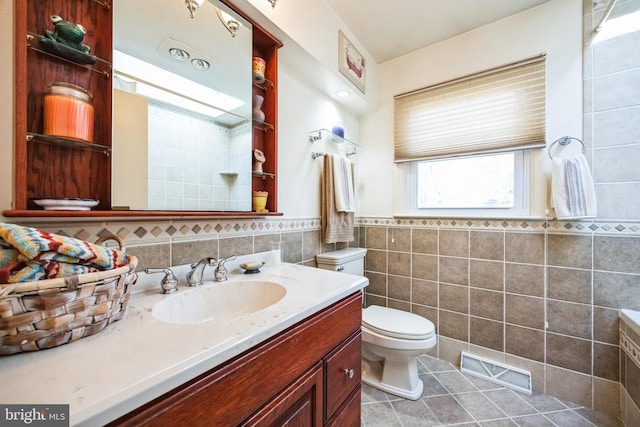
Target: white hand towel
column 343, row 184
column 572, row 189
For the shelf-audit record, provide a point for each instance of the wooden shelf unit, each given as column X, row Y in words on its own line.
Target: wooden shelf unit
column 265, row 138
column 59, row 169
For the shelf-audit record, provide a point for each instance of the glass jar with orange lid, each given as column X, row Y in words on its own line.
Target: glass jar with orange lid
column 68, row 112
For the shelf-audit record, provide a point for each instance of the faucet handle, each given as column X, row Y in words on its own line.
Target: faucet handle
column 220, row 274
column 169, row 283
column 223, row 260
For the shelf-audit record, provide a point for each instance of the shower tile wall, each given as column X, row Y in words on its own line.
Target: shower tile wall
column 612, row 112
column 542, row 300
column 185, row 162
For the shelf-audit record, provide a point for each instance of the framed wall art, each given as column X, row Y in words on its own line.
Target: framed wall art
column 351, row 63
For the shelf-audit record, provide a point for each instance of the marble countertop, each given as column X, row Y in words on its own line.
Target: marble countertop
column 139, row 358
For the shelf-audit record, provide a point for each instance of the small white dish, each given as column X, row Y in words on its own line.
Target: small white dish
column 66, row 204
column 251, row 267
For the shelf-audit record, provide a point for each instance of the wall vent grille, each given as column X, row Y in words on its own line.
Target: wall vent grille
column 499, row 373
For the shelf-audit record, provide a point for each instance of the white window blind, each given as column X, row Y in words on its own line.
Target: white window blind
column 496, row 110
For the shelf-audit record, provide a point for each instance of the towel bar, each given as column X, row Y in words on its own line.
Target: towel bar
column 315, row 155
column 565, row 140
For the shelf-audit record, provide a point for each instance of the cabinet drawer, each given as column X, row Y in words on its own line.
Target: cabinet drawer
column 342, row 373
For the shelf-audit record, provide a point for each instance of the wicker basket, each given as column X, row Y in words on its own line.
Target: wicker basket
column 48, row 313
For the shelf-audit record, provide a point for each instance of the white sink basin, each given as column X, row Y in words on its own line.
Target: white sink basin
column 218, row 301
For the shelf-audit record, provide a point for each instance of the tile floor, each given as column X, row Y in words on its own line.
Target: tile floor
column 451, row 398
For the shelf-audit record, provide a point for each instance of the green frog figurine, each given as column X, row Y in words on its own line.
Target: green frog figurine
column 66, row 41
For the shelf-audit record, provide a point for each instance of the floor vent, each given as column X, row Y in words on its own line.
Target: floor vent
column 499, row 373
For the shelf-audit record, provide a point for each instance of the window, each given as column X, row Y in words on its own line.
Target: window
column 466, row 144
column 490, row 184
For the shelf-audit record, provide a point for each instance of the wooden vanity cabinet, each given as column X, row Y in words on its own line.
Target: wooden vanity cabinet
column 301, row 376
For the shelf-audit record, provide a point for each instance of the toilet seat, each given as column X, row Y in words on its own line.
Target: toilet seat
column 394, row 323
column 400, row 344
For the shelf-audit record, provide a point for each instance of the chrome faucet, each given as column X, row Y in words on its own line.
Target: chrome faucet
column 220, row 273
column 169, row 283
column 194, row 277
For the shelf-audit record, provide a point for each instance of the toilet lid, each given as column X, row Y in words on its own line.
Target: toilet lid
column 397, row 323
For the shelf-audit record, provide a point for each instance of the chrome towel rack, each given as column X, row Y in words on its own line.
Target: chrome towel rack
column 315, row 155
column 564, row 141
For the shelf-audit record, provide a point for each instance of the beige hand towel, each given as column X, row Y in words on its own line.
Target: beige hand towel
column 336, row 226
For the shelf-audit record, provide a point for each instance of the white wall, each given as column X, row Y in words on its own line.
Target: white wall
column 554, row 27
column 130, row 185
column 309, row 30
column 302, row 109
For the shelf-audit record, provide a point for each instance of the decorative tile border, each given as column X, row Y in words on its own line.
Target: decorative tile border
column 155, row 230
column 530, row 225
column 631, row 348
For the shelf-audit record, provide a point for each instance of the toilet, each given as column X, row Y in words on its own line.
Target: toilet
column 391, row 339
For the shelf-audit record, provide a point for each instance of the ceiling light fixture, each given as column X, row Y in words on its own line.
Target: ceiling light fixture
column 200, row 64
column 229, row 22
column 193, row 6
column 343, row 93
column 179, row 54
column 273, row 3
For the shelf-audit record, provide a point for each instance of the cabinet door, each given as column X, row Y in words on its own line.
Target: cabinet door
column 300, row 404
column 349, row 416
column 343, row 373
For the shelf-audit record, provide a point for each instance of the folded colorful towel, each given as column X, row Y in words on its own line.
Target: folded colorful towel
column 28, row 254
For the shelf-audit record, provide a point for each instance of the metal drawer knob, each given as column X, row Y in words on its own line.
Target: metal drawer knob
column 349, row 372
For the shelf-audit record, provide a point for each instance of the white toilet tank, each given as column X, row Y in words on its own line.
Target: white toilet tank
column 347, row 260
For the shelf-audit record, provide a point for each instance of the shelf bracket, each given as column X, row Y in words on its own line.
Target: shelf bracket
column 314, row 138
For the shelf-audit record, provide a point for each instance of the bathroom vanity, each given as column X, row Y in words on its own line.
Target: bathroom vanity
column 297, row 360
column 308, row 375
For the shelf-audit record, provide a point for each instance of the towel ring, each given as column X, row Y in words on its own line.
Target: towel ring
column 564, row 141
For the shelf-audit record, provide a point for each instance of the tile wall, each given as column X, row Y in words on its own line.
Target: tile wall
column 540, row 296
column 188, row 176
column 612, row 112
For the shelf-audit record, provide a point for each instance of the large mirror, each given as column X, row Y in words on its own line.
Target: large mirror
column 182, row 107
